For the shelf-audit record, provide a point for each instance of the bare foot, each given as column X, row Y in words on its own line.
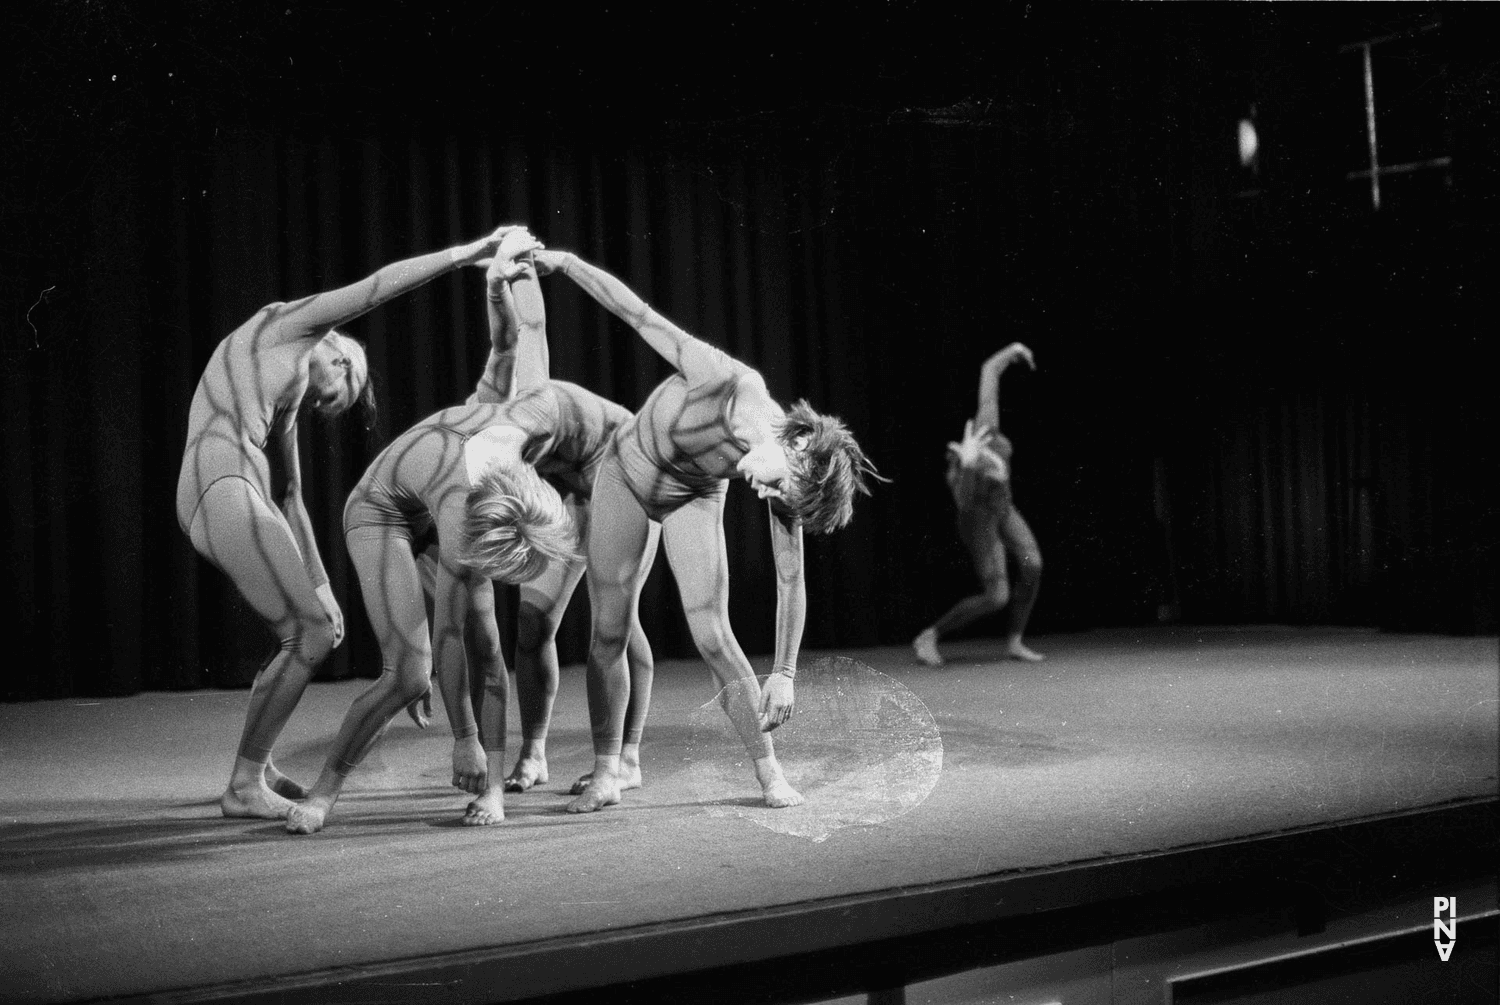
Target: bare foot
column 780, row 794
column 774, row 788
column 307, row 818
column 528, row 771
column 256, row 801
column 1017, row 650
column 596, row 795
column 629, row 777
column 282, row 785
column 487, row 809
column 925, row 646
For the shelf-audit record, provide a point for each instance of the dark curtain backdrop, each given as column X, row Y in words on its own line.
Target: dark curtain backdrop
column 1257, row 399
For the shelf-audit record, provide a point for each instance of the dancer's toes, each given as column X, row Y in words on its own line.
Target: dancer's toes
column 282, row 785
column 780, row 794
column 528, row 771
column 1017, row 650
column 254, row 801
column 925, row 646
column 595, row 796
column 305, row 818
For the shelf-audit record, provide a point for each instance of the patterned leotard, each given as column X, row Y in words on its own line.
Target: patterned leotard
column 235, row 409
column 568, row 433
column 257, row 372
column 681, row 445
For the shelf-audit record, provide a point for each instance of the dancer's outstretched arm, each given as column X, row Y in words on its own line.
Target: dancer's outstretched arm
column 988, row 415
column 620, row 300
column 777, row 696
column 313, row 316
column 297, row 518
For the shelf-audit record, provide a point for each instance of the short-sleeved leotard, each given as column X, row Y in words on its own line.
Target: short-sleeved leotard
column 681, row 444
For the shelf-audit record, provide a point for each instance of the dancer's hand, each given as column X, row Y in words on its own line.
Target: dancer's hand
column 548, row 261
column 972, row 447
column 335, row 615
column 1015, row 351
column 776, row 700
column 421, row 710
column 513, row 255
column 483, row 249
column 470, row 771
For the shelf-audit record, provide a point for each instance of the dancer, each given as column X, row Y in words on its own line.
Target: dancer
column 519, row 362
column 473, row 473
column 239, row 496
column 988, row 522
column 711, row 421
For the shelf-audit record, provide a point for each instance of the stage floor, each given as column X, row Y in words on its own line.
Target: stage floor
column 121, row 878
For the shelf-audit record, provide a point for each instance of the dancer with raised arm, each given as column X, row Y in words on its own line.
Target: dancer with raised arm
column 474, row 474
column 519, row 362
column 989, row 523
column 239, row 495
column 711, row 421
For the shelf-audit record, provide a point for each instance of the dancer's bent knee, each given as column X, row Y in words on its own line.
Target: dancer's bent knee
column 310, row 641
column 997, row 593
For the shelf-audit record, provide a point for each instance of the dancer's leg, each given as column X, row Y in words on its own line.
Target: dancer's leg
column 544, row 600
column 642, row 670
column 983, row 541
column 392, row 591
column 1022, row 544
column 619, row 534
column 489, row 693
column 250, row 541
column 694, row 536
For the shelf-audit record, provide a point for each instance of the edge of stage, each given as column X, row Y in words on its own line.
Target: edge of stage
column 1147, row 803
column 854, row 945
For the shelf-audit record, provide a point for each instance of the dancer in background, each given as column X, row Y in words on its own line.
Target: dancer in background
column 988, row 522
column 711, row 421
column 474, row 474
column 239, row 494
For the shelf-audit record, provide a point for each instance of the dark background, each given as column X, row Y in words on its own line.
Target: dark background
column 1258, row 399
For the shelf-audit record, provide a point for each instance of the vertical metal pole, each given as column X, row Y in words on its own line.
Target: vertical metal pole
column 1370, row 127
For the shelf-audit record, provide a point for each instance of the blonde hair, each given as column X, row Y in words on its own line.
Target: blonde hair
column 515, row 525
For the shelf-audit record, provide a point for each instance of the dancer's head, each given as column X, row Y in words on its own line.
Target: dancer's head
column 515, row 524
column 338, row 376
column 812, row 469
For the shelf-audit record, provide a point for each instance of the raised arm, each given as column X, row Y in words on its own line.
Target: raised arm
column 988, row 414
column 312, row 317
column 777, row 698
column 295, row 511
column 498, row 382
column 620, row 300
column 518, row 359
